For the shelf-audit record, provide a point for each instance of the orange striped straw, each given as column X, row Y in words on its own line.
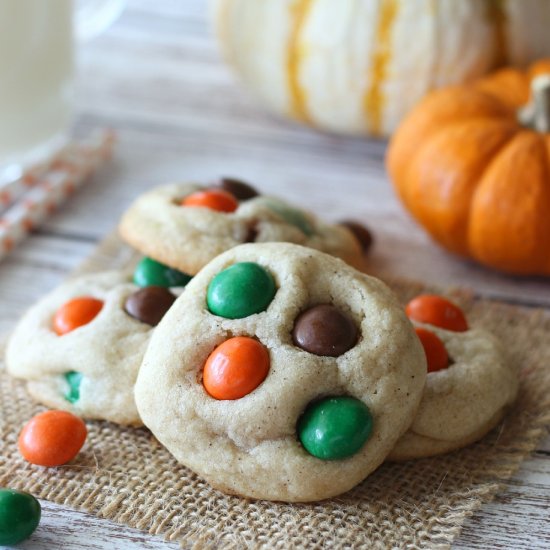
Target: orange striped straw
column 43, row 188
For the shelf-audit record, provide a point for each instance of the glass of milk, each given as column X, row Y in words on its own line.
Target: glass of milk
column 36, row 73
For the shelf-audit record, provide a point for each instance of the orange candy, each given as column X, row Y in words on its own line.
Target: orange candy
column 435, row 310
column 52, row 438
column 215, row 199
column 436, row 354
column 235, row 368
column 75, row 313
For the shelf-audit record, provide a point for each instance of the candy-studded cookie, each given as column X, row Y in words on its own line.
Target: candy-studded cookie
column 281, row 373
column 470, row 383
column 81, row 346
column 186, row 225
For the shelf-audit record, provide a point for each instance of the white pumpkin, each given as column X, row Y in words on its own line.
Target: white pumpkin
column 358, row 66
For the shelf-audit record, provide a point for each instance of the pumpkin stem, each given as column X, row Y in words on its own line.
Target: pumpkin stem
column 536, row 114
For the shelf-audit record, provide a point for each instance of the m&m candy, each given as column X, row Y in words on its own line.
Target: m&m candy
column 291, row 215
column 214, row 199
column 73, row 379
column 324, row 330
column 240, row 290
column 149, row 272
column 438, row 311
column 235, row 368
column 52, row 438
column 239, row 189
column 361, row 233
column 436, row 353
column 335, row 427
column 76, row 313
column 149, row 304
column 19, row 516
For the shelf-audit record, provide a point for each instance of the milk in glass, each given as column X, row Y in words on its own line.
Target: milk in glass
column 35, row 79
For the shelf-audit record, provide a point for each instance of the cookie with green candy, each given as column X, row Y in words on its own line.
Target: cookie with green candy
column 281, row 373
column 185, row 225
column 149, row 272
column 80, row 347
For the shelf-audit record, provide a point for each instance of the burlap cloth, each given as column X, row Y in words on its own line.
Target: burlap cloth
column 125, row 475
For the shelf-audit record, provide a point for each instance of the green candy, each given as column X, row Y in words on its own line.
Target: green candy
column 291, row 215
column 151, row 273
column 240, row 290
column 19, row 516
column 335, row 427
column 73, row 379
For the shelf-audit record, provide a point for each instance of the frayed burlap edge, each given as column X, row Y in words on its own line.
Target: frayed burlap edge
column 124, row 475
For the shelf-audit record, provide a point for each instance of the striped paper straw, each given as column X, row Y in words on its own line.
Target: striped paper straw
column 50, row 187
column 11, row 191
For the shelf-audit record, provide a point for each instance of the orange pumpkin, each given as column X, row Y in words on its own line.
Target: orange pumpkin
column 472, row 164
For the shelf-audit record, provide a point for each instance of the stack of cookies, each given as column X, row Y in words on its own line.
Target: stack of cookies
column 252, row 344
column 185, row 226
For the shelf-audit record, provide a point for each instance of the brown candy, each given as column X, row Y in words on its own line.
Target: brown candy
column 239, row 189
column 149, row 304
column 252, row 232
column 361, row 233
column 324, row 330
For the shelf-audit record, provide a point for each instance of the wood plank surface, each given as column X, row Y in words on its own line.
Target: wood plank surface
column 73, row 530
column 156, row 77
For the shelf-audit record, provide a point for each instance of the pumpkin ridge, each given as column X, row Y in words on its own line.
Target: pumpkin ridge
column 382, row 53
column 508, row 86
column 510, row 226
column 298, row 96
column 402, row 182
column 439, row 198
column 505, row 143
column 454, row 104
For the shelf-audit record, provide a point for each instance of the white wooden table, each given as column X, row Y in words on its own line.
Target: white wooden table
column 156, row 77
